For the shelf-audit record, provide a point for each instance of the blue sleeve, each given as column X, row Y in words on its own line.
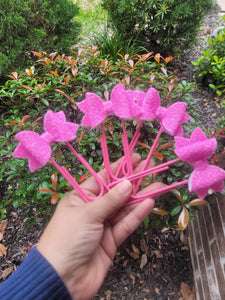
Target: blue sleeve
column 35, row 279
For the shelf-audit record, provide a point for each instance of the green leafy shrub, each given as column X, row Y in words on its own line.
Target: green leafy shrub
column 112, row 42
column 162, row 26
column 211, row 64
column 59, row 81
column 43, row 25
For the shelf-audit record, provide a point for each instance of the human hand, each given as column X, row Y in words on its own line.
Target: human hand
column 80, row 240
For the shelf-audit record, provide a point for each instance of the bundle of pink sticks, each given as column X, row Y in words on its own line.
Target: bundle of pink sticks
column 126, row 104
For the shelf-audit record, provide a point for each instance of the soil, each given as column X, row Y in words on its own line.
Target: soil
column 152, row 266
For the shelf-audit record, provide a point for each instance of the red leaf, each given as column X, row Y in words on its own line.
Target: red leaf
column 126, row 56
column 219, row 131
column 28, row 88
column 83, row 177
column 109, row 126
column 164, row 71
column 61, row 92
column 157, row 57
column 144, row 145
column 106, row 94
column 37, row 54
column 54, row 198
column 48, row 61
column 131, row 63
column 54, row 180
column 158, row 155
column 127, row 79
column 81, row 136
column 152, row 78
column 168, row 59
column 74, row 71
column 104, row 63
column 215, row 158
column 46, row 191
column 166, row 145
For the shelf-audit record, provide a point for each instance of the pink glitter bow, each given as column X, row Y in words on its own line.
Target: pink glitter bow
column 37, row 148
column 123, row 105
column 95, row 110
column 148, row 103
column 172, row 117
column 196, row 150
column 206, row 177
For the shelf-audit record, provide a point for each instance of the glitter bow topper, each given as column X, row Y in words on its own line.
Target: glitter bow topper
column 197, row 150
column 37, row 148
column 126, row 104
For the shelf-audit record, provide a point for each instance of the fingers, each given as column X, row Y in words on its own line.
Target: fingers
column 125, row 211
column 105, row 206
column 150, row 188
column 141, row 164
column 130, row 222
column 90, row 185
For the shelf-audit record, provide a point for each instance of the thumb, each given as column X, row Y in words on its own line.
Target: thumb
column 111, row 201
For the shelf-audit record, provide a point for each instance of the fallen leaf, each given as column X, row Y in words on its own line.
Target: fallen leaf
column 132, row 278
column 108, row 293
column 3, row 226
column 6, row 272
column 171, row 293
column 144, row 247
column 134, row 255
column 125, row 263
column 165, row 229
column 183, row 238
column 135, row 249
column 158, row 254
column 1, row 236
column 186, row 292
column 2, row 250
column 144, row 261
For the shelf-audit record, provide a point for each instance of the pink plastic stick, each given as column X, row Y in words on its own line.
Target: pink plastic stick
column 88, row 167
column 105, row 155
column 147, row 161
column 153, row 170
column 126, row 149
column 141, row 174
column 131, row 147
column 70, row 179
column 137, row 199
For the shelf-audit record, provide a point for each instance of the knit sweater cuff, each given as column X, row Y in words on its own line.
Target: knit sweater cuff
column 34, row 279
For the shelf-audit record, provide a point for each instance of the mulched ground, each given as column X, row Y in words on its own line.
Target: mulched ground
column 152, row 266
column 156, row 266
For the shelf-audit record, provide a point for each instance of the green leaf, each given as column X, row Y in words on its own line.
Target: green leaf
column 212, row 86
column 175, row 210
column 43, row 100
column 31, row 186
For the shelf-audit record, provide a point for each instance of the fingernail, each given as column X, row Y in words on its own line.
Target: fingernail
column 125, row 187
